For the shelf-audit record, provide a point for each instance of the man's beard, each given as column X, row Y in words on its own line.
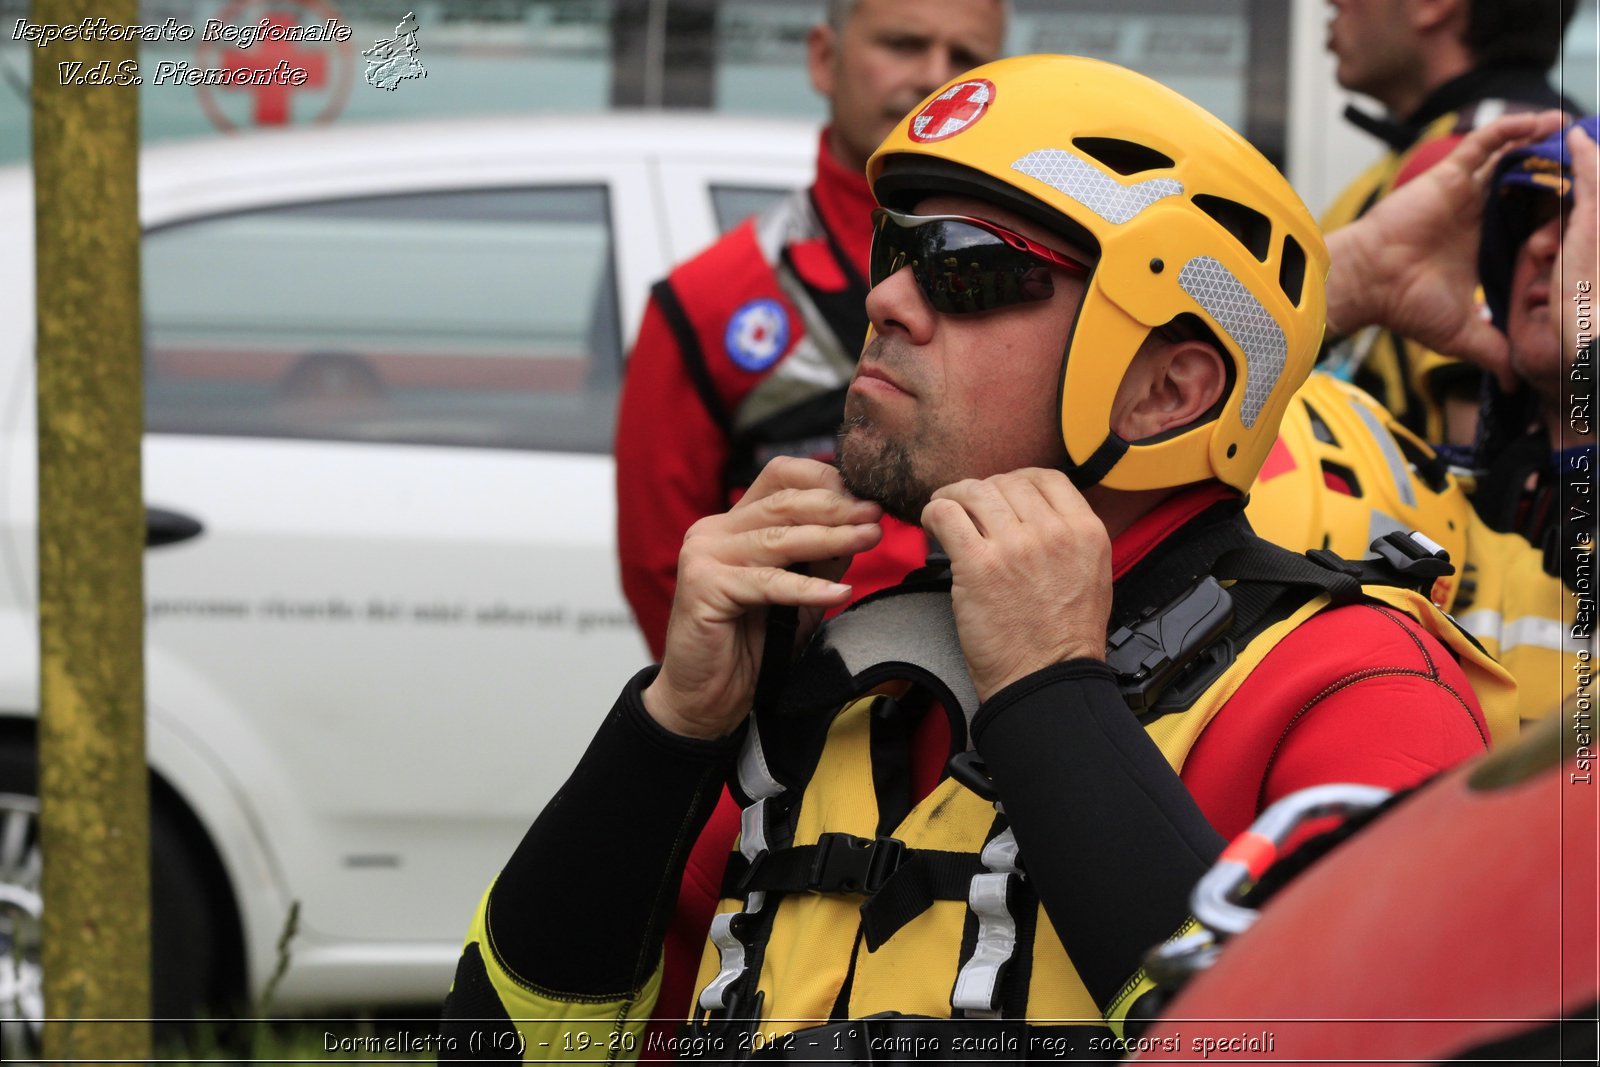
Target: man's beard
column 879, row 469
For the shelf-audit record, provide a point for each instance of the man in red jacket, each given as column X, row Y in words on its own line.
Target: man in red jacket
column 746, row 350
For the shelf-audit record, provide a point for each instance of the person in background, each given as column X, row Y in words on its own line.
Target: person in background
column 746, row 349
column 1537, row 264
column 1440, row 68
column 1344, row 472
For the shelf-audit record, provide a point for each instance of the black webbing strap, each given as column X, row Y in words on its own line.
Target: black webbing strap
column 1173, row 567
column 844, row 310
column 837, row 863
column 1271, row 568
column 926, row 875
column 694, row 359
column 1088, row 474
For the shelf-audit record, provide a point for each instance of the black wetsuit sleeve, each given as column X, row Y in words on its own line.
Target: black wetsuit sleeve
column 1108, row 833
column 583, row 905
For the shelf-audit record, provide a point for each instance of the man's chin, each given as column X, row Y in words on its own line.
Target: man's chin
column 880, row 470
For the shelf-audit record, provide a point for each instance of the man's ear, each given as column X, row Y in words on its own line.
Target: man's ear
column 1169, row 385
column 822, row 46
column 1427, row 15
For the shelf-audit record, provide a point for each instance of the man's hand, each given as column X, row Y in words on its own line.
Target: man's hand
column 1573, row 278
column 1031, row 565
column 1411, row 263
column 731, row 568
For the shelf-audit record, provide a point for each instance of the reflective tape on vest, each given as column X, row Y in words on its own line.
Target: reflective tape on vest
column 977, row 984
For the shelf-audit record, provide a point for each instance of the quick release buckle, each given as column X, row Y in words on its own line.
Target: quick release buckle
column 849, row 864
column 1414, row 556
column 1151, row 652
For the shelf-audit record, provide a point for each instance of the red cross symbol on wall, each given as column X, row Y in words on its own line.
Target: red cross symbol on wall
column 272, row 101
column 952, row 111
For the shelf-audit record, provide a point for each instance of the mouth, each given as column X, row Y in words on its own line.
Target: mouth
column 872, row 380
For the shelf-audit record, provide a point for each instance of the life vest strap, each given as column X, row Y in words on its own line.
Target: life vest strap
column 927, row 875
column 837, row 863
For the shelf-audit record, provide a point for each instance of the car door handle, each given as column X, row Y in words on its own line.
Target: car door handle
column 163, row 527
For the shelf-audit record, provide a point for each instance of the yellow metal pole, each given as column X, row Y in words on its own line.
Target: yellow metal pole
column 93, row 790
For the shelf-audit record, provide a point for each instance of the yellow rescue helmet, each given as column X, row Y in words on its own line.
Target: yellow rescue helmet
column 1183, row 215
column 1344, row 473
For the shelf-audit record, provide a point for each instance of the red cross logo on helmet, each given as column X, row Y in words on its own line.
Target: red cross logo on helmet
column 952, row 111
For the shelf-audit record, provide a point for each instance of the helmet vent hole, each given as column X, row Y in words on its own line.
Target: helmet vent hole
column 1247, row 225
column 1340, row 479
column 1319, row 428
column 1124, row 157
column 1292, row 271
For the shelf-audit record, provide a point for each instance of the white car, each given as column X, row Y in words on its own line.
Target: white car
column 383, row 613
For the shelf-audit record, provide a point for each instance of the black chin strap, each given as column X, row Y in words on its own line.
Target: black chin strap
column 1088, row 474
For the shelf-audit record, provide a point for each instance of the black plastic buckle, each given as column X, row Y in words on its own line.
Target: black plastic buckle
column 1150, row 653
column 850, row 864
column 969, row 769
column 1415, row 557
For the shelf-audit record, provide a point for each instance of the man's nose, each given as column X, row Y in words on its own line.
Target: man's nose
column 896, row 304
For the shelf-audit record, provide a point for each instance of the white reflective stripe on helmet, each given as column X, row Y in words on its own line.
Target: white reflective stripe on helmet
column 1069, row 173
column 1399, row 469
column 1233, row 307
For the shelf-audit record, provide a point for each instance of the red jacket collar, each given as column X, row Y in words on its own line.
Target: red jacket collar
column 845, row 203
column 1156, row 525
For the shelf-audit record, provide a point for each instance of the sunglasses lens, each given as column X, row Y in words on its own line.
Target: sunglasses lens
column 960, row 268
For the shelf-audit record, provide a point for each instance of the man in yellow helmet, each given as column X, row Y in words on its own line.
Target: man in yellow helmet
column 1091, row 303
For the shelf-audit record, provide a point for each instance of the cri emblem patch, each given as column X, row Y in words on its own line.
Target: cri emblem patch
column 952, row 111
column 757, row 334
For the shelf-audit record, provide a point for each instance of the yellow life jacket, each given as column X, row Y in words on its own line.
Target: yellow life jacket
column 816, row 922
column 1515, row 609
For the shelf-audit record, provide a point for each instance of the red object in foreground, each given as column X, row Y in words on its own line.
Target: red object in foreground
column 1464, row 917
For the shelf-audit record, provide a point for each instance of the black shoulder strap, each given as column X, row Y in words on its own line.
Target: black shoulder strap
column 694, row 359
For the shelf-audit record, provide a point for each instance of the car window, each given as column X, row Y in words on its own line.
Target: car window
column 463, row 318
column 732, row 204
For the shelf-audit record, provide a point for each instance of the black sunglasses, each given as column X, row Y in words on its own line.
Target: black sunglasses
column 964, row 265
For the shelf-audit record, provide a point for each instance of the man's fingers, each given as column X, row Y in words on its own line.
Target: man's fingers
column 1056, row 489
column 1485, row 347
column 951, row 526
column 1481, row 149
column 791, row 472
column 1585, row 160
column 780, row 546
column 984, row 502
column 795, row 506
column 727, row 592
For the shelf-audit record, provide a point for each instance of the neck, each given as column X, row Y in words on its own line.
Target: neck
column 845, row 201
column 1120, row 509
column 1438, row 64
